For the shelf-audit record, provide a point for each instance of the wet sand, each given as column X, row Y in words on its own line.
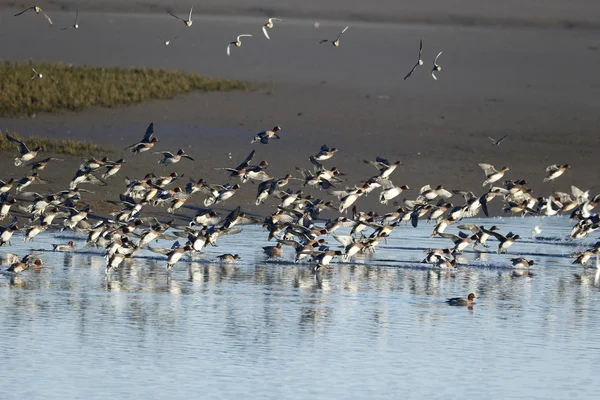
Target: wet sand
column 532, row 83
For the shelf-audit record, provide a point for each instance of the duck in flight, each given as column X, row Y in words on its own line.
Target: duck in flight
column 419, row 61
column 335, row 42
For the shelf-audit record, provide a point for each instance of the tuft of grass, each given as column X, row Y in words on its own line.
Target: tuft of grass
column 57, row 146
column 66, row 87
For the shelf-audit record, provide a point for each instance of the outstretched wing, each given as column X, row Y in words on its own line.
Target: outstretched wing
column 411, row 71
column 341, row 33
column 24, row 11
column 264, row 29
column 22, row 148
column 175, row 16
column 487, row 168
column 149, row 133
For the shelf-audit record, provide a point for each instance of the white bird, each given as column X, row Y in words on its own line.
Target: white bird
column 237, row 42
column 37, row 11
column 75, row 25
column 497, row 142
column 436, row 67
column 335, row 42
column 269, row 25
column 37, row 74
column 419, row 61
column 167, row 41
column 187, row 22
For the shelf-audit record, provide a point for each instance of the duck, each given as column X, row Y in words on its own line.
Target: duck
column 325, row 153
column 390, row 193
column 335, row 42
column 6, row 186
column 491, row 174
column 112, row 170
column 324, row 258
column 264, row 136
column 461, row 301
column 228, row 258
column 274, row 251
column 173, row 255
column 5, row 206
column 554, row 171
column 237, row 42
column 69, row 246
column 32, row 231
column 505, row 241
column 521, row 262
column 269, row 25
column 7, row 232
column 25, row 153
column 170, row 158
column 146, row 140
column 28, row 180
column 384, row 166
column 41, row 165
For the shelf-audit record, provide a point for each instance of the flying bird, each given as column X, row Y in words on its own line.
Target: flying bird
column 419, row 61
column 497, row 142
column 436, row 67
column 187, row 22
column 270, row 26
column 75, row 25
column 237, row 42
column 167, row 41
column 335, row 42
column 37, row 11
column 37, row 74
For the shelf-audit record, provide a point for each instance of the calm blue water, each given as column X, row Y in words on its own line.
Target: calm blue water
column 378, row 327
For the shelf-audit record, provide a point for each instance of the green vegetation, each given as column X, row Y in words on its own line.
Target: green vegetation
column 57, row 146
column 65, row 87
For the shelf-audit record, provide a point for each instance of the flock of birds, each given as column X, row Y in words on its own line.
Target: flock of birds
column 238, row 41
column 296, row 222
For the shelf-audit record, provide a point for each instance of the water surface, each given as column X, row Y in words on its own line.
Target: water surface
column 378, row 326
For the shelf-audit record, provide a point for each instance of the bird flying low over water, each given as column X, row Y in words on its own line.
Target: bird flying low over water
column 436, row 67
column 237, row 42
column 419, row 61
column 187, row 22
column 270, row 26
column 37, row 11
column 497, row 142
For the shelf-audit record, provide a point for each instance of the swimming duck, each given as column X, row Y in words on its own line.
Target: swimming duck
column 270, row 26
column 228, row 258
column 25, row 153
column 70, row 246
column 521, row 262
column 274, row 251
column 236, row 43
column 460, row 301
column 335, row 42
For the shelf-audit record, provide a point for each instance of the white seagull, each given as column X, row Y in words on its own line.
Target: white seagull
column 269, row 25
column 435, row 66
column 75, row 25
column 237, row 42
column 189, row 20
column 335, row 42
column 37, row 11
column 37, row 74
column 419, row 62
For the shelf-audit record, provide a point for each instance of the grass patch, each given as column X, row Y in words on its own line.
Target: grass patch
column 65, row 87
column 57, row 146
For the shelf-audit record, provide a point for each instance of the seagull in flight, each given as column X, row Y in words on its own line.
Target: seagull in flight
column 37, row 11
column 270, row 26
column 335, row 42
column 237, row 42
column 436, row 67
column 75, row 25
column 497, row 142
column 419, row 62
column 37, row 74
column 187, row 22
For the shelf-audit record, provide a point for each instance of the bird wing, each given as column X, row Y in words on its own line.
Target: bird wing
column 487, row 168
column 275, row 19
column 424, row 189
column 264, row 29
column 411, row 71
column 433, row 75
column 160, row 250
column 149, row 133
column 243, row 35
column 552, row 168
column 24, row 11
column 175, row 16
column 188, row 157
column 436, row 57
column 450, row 236
column 228, row 49
column 22, row 147
column 344, row 240
column 48, row 18
column 323, row 41
column 502, row 138
column 190, row 16
column 164, row 153
column 420, row 49
column 342, row 32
